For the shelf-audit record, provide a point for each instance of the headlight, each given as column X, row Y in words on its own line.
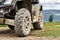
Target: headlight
column 1, row 11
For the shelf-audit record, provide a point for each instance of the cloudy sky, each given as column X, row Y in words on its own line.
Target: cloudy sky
column 50, row 4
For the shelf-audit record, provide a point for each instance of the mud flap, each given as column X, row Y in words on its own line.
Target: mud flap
column 35, row 11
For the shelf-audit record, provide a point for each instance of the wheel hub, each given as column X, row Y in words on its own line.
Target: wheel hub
column 26, row 23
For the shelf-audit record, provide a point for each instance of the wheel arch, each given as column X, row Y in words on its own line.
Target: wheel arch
column 26, row 3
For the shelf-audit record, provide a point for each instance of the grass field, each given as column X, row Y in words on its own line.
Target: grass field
column 50, row 29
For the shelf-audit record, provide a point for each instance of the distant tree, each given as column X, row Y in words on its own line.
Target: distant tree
column 51, row 18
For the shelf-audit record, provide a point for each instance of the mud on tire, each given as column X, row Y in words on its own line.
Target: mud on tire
column 22, row 22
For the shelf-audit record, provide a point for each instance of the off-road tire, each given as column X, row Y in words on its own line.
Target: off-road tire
column 11, row 27
column 39, row 24
column 22, row 22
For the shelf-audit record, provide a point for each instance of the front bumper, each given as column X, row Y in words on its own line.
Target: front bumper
column 1, row 20
column 7, row 21
column 3, row 10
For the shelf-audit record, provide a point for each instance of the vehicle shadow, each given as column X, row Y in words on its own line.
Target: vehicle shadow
column 7, row 32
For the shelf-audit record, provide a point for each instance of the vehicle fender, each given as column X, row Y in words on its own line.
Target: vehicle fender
column 8, row 2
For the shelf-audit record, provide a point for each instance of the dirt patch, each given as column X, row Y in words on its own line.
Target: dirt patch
column 7, row 34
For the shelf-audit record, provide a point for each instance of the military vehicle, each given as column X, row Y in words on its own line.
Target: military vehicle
column 20, row 15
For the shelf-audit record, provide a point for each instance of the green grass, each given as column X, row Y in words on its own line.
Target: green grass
column 50, row 29
column 3, row 25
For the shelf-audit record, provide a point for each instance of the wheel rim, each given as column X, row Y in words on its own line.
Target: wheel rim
column 27, row 24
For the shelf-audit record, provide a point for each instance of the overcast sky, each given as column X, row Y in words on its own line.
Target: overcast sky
column 50, row 4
